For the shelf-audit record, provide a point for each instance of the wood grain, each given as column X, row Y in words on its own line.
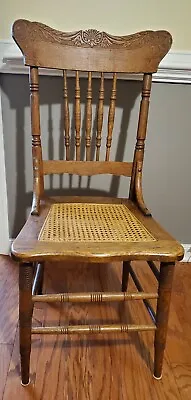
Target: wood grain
column 87, row 168
column 136, row 192
column 66, row 115
column 27, row 247
column 5, row 358
column 111, row 116
column 97, row 368
column 100, row 116
column 182, row 375
column 8, row 295
column 90, row 50
column 77, row 116
column 89, row 117
column 38, row 182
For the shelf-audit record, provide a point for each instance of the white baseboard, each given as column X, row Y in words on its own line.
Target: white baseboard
column 4, row 229
column 174, row 68
column 187, row 253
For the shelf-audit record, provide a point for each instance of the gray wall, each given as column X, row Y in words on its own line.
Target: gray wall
column 167, row 167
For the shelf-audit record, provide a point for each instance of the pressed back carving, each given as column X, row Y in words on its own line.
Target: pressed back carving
column 90, row 51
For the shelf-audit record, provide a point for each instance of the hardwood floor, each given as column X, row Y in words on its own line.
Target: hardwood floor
column 105, row 367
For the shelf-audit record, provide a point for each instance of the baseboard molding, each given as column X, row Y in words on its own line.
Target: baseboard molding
column 4, row 229
column 187, row 251
column 174, row 68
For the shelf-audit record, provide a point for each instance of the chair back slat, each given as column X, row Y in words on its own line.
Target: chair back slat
column 87, row 168
column 100, row 117
column 111, row 116
column 66, row 116
column 89, row 117
column 77, row 116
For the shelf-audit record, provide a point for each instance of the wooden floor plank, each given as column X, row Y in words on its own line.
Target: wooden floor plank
column 8, row 300
column 101, row 367
column 5, row 357
column 179, row 332
column 13, row 384
column 182, row 374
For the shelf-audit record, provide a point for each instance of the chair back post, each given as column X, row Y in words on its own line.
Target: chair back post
column 38, row 181
column 135, row 192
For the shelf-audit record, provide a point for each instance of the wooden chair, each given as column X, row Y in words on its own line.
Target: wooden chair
column 91, row 229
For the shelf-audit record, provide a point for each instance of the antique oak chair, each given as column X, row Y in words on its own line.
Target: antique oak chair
column 83, row 228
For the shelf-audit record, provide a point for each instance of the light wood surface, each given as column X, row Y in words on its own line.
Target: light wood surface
column 111, row 116
column 91, row 232
column 27, row 247
column 87, row 168
column 100, row 117
column 47, row 47
column 89, row 117
column 75, row 368
column 66, row 115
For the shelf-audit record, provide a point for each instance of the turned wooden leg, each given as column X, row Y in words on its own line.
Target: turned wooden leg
column 125, row 275
column 25, row 318
column 163, row 306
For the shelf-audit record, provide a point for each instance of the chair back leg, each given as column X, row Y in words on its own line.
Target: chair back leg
column 25, row 318
column 163, row 306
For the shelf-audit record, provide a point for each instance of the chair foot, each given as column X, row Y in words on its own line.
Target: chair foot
column 25, row 318
column 26, row 384
column 158, row 378
column 125, row 275
column 162, row 314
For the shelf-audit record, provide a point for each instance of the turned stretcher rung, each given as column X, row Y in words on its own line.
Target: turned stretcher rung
column 96, row 297
column 91, row 329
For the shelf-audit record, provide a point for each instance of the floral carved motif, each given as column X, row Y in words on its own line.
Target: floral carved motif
column 91, row 37
column 82, row 38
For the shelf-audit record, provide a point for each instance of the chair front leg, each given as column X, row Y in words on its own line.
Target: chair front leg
column 163, row 306
column 25, row 318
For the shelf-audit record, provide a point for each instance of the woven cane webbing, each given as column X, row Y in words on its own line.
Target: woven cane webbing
column 81, row 222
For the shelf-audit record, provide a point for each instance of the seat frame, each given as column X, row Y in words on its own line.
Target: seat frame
column 102, row 53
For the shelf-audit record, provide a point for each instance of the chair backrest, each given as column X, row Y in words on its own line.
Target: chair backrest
column 90, row 51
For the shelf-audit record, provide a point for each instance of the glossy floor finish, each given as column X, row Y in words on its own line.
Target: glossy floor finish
column 104, row 367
